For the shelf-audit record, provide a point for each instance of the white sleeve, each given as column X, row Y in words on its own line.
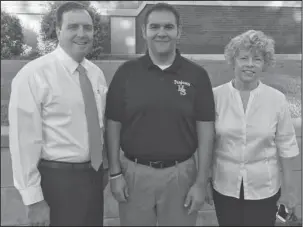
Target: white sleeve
column 25, row 136
column 285, row 135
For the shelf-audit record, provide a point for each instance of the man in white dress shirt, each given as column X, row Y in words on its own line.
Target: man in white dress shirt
column 56, row 128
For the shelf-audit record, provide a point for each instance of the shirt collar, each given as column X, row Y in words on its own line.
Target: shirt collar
column 148, row 63
column 70, row 64
column 253, row 92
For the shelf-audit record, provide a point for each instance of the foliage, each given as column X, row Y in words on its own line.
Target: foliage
column 11, row 36
column 47, row 39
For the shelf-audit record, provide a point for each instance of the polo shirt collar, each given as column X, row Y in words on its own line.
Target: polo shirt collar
column 148, row 63
column 68, row 62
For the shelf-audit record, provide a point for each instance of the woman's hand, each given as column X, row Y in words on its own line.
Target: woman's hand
column 288, row 197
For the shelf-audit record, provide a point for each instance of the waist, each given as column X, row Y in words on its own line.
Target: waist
column 64, row 165
column 158, row 164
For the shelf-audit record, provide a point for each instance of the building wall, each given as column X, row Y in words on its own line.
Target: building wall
column 208, row 28
column 123, row 35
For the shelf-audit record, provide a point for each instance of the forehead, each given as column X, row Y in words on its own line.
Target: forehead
column 76, row 17
column 161, row 17
column 250, row 52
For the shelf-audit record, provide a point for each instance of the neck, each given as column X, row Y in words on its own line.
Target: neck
column 239, row 85
column 158, row 59
column 78, row 59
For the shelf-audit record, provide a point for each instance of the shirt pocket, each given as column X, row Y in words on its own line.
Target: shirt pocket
column 100, row 96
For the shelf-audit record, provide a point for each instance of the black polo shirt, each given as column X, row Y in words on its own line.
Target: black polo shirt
column 158, row 109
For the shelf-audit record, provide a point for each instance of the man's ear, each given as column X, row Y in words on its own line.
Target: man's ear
column 58, row 30
column 143, row 29
column 179, row 31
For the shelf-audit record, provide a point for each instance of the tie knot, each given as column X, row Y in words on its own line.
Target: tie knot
column 81, row 69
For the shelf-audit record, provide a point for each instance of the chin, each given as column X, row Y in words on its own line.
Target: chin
column 163, row 52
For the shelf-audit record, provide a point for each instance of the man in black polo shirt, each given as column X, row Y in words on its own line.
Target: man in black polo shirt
column 160, row 110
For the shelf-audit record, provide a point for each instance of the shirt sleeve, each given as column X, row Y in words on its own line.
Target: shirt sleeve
column 25, row 136
column 285, row 135
column 103, row 92
column 114, row 101
column 204, row 100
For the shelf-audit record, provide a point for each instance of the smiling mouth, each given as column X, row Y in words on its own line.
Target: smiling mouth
column 81, row 43
column 248, row 71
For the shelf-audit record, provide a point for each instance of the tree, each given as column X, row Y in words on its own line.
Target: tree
column 11, row 36
column 47, row 40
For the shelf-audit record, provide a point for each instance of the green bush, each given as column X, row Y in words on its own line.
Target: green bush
column 11, row 36
column 47, row 40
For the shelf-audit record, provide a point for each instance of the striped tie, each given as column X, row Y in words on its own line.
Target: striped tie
column 92, row 118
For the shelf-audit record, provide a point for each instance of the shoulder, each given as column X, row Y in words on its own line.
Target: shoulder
column 221, row 89
column 273, row 94
column 131, row 64
column 194, row 67
column 35, row 68
column 126, row 67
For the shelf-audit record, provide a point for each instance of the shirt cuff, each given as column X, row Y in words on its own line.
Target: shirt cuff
column 290, row 153
column 31, row 195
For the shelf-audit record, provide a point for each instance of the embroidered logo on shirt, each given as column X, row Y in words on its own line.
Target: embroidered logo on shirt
column 182, row 86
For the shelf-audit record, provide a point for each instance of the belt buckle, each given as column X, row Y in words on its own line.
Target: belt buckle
column 155, row 164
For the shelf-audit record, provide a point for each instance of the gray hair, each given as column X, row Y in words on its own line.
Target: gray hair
column 254, row 41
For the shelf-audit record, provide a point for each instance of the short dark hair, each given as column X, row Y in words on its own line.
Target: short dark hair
column 67, row 7
column 163, row 7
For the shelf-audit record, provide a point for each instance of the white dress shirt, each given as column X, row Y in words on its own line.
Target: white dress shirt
column 47, row 117
column 248, row 144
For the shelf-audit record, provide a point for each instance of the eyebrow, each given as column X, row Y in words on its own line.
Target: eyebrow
column 79, row 24
column 162, row 24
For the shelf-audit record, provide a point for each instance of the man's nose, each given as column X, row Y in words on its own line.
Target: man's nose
column 162, row 32
column 80, row 31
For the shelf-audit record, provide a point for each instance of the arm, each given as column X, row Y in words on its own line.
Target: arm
column 114, row 112
column 25, row 137
column 286, row 145
column 113, row 144
column 205, row 117
column 206, row 135
column 286, row 166
column 105, row 147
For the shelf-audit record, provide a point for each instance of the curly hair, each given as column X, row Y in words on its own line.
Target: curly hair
column 253, row 41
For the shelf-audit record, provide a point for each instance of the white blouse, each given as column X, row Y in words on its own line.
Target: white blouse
column 249, row 143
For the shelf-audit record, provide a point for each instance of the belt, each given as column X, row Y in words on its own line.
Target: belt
column 64, row 165
column 156, row 164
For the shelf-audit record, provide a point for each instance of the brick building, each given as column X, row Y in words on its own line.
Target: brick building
column 208, row 28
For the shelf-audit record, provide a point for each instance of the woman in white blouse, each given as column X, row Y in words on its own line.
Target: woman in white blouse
column 255, row 138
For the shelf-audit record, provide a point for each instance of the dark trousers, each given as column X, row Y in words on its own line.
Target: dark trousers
column 231, row 211
column 75, row 196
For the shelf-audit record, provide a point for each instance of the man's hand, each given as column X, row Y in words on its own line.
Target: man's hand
column 119, row 188
column 195, row 198
column 39, row 214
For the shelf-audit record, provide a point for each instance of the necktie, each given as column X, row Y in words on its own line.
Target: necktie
column 92, row 118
